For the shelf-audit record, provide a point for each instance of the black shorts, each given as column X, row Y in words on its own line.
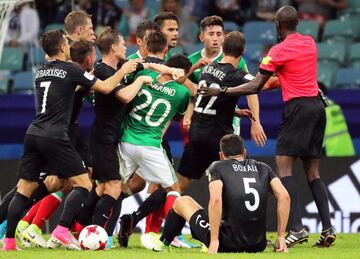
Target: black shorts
column 81, row 143
column 302, row 129
column 105, row 161
column 200, row 230
column 198, row 156
column 166, row 146
column 40, row 152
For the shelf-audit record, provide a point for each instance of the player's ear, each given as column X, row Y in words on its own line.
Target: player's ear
column 201, row 37
column 221, row 155
column 139, row 42
column 113, row 47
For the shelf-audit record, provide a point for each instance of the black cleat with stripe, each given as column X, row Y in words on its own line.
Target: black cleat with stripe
column 327, row 237
column 294, row 238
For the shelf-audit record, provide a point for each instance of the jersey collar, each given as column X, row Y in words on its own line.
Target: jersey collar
column 215, row 58
column 138, row 53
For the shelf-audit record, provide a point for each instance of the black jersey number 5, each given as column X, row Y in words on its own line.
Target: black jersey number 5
column 253, row 191
column 208, row 108
column 46, row 85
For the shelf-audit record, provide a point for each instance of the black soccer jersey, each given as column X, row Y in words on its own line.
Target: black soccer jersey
column 109, row 111
column 214, row 114
column 244, row 196
column 55, row 83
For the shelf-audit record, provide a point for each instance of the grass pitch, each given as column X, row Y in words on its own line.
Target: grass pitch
column 346, row 246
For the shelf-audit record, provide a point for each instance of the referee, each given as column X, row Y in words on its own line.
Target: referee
column 294, row 61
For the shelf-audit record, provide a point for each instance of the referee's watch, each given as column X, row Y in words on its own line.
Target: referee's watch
column 223, row 89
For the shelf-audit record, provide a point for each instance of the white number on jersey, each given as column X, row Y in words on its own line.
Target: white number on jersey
column 46, row 85
column 253, row 191
column 152, row 109
column 207, row 109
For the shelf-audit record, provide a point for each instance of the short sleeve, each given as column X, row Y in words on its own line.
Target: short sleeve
column 185, row 101
column 267, row 170
column 240, row 77
column 213, row 172
column 82, row 77
column 271, row 61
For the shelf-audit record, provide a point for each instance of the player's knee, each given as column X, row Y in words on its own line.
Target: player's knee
column 180, row 203
column 113, row 188
column 53, row 183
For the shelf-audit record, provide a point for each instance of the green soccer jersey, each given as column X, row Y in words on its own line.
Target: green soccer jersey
column 151, row 110
column 195, row 57
column 134, row 56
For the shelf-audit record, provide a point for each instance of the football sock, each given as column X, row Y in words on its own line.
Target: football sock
column 15, row 212
column 157, row 218
column 5, row 204
column 110, row 226
column 320, row 195
column 30, row 215
column 295, row 211
column 72, row 206
column 40, row 192
column 103, row 210
column 152, row 203
column 48, row 205
column 170, row 199
column 86, row 212
column 173, row 226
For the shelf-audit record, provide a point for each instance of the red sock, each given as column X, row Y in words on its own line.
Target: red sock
column 76, row 228
column 48, row 205
column 170, row 199
column 156, row 220
column 148, row 222
column 32, row 212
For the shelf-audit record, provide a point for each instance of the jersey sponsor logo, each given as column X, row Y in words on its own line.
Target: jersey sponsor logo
column 344, row 205
column 88, row 75
column 266, row 60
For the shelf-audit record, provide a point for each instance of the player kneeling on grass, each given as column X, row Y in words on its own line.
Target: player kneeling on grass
column 237, row 208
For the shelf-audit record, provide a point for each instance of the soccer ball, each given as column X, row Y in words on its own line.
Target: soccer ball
column 93, row 237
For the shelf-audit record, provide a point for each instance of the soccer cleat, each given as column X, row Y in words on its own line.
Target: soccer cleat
column 9, row 244
column 326, row 239
column 21, row 227
column 53, row 243
column 126, row 228
column 63, row 236
column 34, row 234
column 187, row 244
column 109, row 243
column 203, row 249
column 294, row 238
column 3, row 229
column 151, row 241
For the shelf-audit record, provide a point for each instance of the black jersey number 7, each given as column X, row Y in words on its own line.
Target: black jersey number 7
column 46, row 86
column 206, row 108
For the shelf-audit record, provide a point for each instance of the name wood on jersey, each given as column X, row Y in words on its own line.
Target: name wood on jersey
column 246, row 168
column 164, row 89
column 50, row 72
column 215, row 72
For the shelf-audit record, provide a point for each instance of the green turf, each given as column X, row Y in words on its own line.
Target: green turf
column 346, row 246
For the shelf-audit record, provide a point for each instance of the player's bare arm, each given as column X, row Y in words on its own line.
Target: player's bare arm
column 215, row 212
column 201, row 63
column 188, row 114
column 244, row 113
column 128, row 93
column 191, row 86
column 283, row 209
column 257, row 131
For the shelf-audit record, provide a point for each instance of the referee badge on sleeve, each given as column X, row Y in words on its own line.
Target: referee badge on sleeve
column 266, row 60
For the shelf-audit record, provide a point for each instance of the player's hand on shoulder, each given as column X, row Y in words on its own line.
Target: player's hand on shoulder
column 147, row 80
column 280, row 245
column 177, row 73
column 202, row 62
column 257, row 134
column 130, row 66
column 213, row 247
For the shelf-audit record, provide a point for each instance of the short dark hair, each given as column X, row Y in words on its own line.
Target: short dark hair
column 232, row 145
column 146, row 26
column 234, row 44
column 155, row 42
column 50, row 41
column 75, row 19
column 80, row 49
column 164, row 16
column 179, row 61
column 211, row 21
column 106, row 39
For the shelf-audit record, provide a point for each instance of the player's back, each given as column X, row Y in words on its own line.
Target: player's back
column 151, row 110
column 214, row 114
column 245, row 189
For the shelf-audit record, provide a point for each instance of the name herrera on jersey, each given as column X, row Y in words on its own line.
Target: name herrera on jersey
column 215, row 72
column 245, row 168
column 164, row 89
column 50, row 72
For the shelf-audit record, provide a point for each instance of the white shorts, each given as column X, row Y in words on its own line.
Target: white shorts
column 152, row 162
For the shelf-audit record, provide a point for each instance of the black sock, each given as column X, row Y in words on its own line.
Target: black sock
column 5, row 204
column 320, row 195
column 103, row 210
column 295, row 211
column 86, row 212
column 73, row 205
column 40, row 192
column 114, row 218
column 152, row 203
column 15, row 212
column 173, row 226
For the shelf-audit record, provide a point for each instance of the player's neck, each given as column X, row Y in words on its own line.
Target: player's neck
column 285, row 34
column 211, row 53
column 60, row 57
column 110, row 60
column 143, row 52
column 165, row 78
column 159, row 56
column 228, row 59
column 237, row 157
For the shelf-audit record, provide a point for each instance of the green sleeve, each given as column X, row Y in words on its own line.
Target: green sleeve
column 242, row 65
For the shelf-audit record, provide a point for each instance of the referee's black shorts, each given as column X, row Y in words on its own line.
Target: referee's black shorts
column 302, row 129
column 60, row 154
column 105, row 161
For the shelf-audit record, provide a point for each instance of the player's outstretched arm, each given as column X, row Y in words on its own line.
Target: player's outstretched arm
column 129, row 92
column 111, row 83
column 215, row 212
column 283, row 209
column 191, row 86
column 163, row 69
column 257, row 132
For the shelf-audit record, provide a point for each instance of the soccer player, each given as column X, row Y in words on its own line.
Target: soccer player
column 236, row 217
column 302, row 130
column 47, row 141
